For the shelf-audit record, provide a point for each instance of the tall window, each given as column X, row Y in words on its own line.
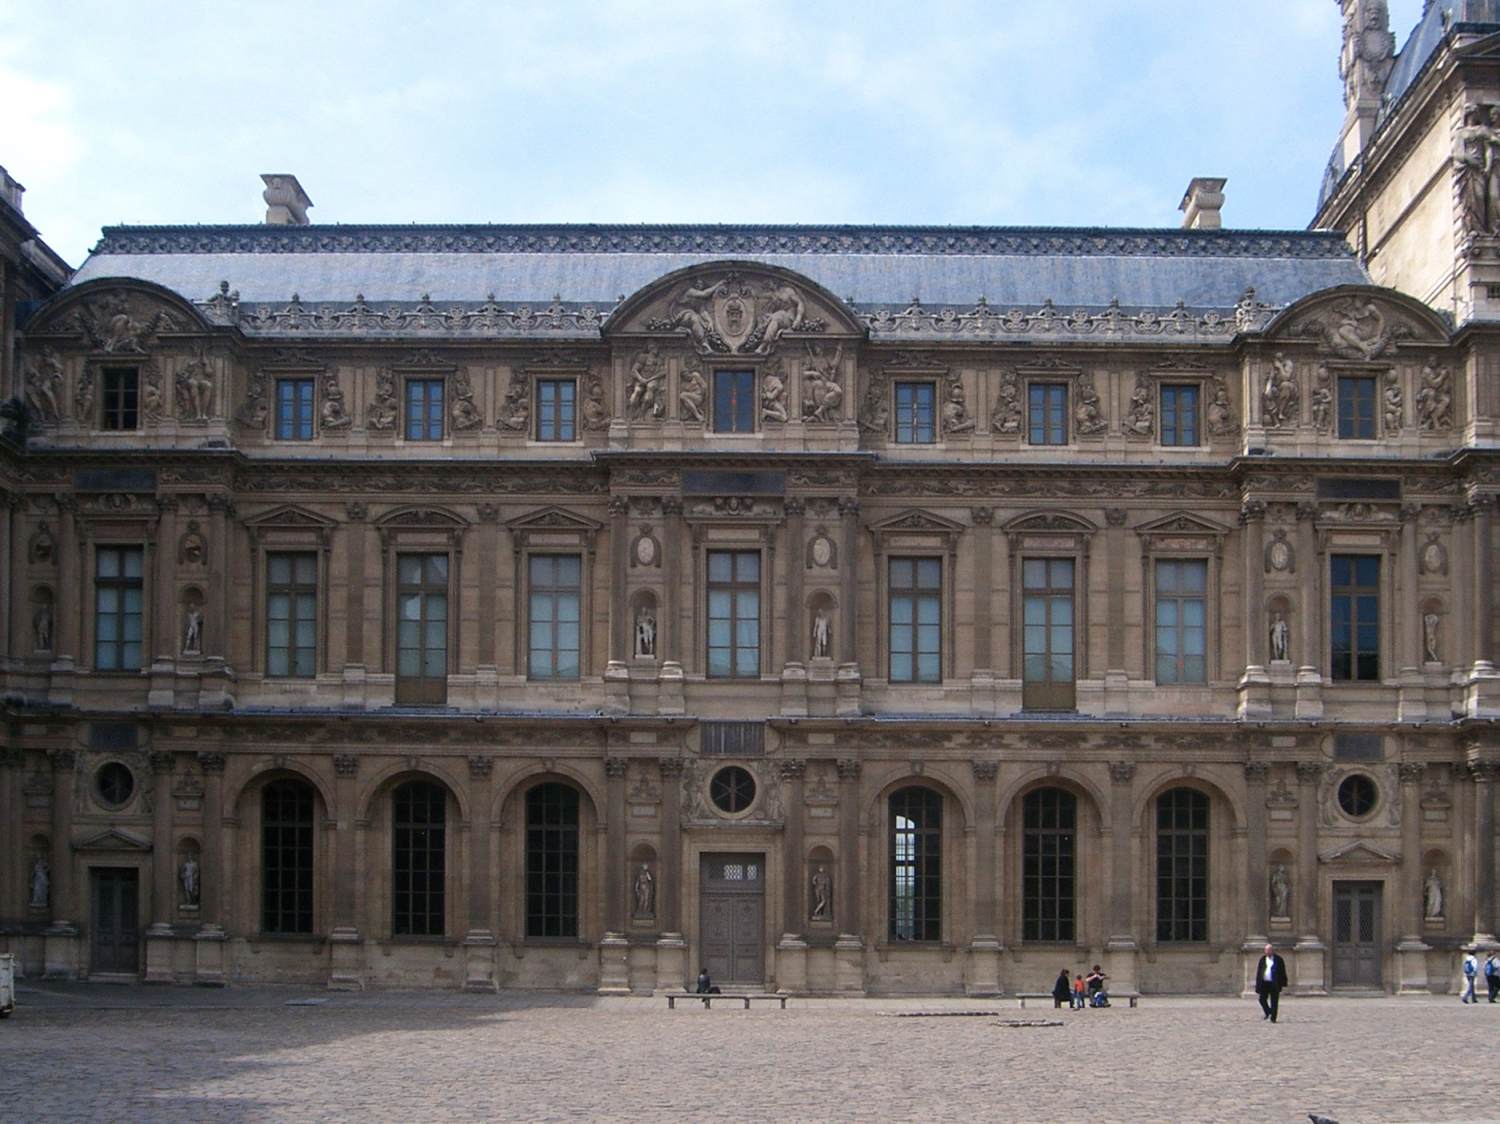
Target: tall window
column 916, row 865
column 734, row 614
column 120, row 389
column 555, row 584
column 1047, row 413
column 1047, row 637
column 1181, row 615
column 286, row 857
column 1357, row 406
column 422, row 628
column 294, row 409
column 916, row 620
column 1179, row 414
column 1048, row 865
column 1182, row 865
column 916, row 404
column 424, row 409
column 555, row 401
column 552, row 861
column 1354, row 615
column 418, row 859
column 117, row 608
column 292, row 615
column 734, row 401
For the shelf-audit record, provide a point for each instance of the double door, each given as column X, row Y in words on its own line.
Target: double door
column 732, row 918
column 1356, row 934
column 115, row 939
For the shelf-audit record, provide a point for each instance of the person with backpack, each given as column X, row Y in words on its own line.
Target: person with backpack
column 1471, row 969
column 1492, row 975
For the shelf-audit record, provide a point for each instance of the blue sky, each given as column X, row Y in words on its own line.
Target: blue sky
column 1040, row 113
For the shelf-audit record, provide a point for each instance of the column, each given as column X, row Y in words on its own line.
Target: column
column 614, row 948
column 1257, row 886
column 984, row 585
column 163, row 872
column 1253, row 534
column 984, row 949
column 216, row 609
column 479, row 941
column 15, row 870
column 791, row 950
column 1311, row 565
column 210, row 940
column 1309, row 979
column 617, row 670
column 70, row 603
column 346, row 969
column 796, row 543
column 1120, row 949
column 17, row 595
column 847, row 642
column 849, row 969
column 670, row 698
column 1411, row 950
column 1484, row 583
column 671, row 949
column 60, row 956
column 164, row 627
column 1483, row 775
column 1409, row 599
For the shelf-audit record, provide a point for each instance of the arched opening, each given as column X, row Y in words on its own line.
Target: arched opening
column 286, row 868
column 916, row 865
column 1182, row 834
column 552, row 820
column 419, row 859
column 1049, row 865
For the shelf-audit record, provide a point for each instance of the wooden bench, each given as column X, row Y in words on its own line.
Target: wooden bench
column 1131, row 997
column 744, row 997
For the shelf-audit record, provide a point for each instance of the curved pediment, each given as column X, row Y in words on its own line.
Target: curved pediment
column 116, row 315
column 1050, row 522
column 734, row 308
column 1359, row 322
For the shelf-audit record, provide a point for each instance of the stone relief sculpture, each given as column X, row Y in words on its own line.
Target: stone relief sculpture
column 44, row 380
column 192, row 637
column 783, row 312
column 822, row 894
column 1431, row 640
column 1280, row 638
column 822, row 635
column 1006, row 416
column 773, row 396
column 875, row 409
column 595, row 410
column 1476, row 145
column 1435, row 398
column 1140, row 416
column 195, row 391
column 83, row 396
column 41, row 883
column 1432, row 896
column 647, row 376
column 1321, row 399
column 691, row 309
column 153, row 402
column 187, row 877
column 111, row 327
column 1279, row 397
column 645, row 892
column 255, row 410
column 692, row 395
column 381, row 413
column 736, row 313
column 1281, row 892
column 1368, row 52
column 1088, row 415
column 645, row 633
column 1357, row 329
column 41, row 628
column 333, row 414
column 463, row 415
column 956, row 416
column 1220, row 411
column 192, row 547
column 822, row 396
column 1393, row 406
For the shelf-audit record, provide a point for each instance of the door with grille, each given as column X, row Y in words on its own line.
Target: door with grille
column 1356, row 934
column 732, row 913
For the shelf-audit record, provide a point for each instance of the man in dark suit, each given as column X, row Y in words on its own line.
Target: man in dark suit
column 1270, row 978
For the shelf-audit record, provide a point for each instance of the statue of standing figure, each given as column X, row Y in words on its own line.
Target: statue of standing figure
column 822, row 894
column 1432, row 896
column 822, row 630
column 41, row 883
column 1281, row 892
column 188, row 876
column 1280, row 638
column 645, row 893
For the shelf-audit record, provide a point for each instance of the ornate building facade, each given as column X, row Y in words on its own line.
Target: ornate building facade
column 843, row 610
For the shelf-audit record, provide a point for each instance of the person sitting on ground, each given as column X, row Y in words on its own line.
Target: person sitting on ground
column 1062, row 990
column 1098, row 996
column 1080, row 996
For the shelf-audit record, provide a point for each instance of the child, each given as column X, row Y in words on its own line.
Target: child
column 1080, row 996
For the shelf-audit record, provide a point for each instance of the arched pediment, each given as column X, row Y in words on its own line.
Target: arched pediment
column 1050, row 522
column 423, row 518
column 1359, row 322
column 116, row 315
column 734, row 308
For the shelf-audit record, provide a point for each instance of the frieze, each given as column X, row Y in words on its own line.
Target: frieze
column 1111, row 322
column 360, row 318
column 467, row 481
column 972, row 484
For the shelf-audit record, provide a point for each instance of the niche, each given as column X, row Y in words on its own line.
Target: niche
column 189, row 876
column 43, row 620
column 1280, row 623
column 642, row 885
column 645, row 626
column 821, row 615
column 820, row 888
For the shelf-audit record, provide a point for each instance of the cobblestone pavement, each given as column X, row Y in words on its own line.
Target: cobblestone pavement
column 76, row 1052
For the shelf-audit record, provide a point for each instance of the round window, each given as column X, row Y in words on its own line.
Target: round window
column 115, row 783
column 732, row 789
column 1357, row 796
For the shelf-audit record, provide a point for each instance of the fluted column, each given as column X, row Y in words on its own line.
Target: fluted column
column 1409, row 615
column 615, row 859
column 480, row 891
column 848, row 585
column 670, row 622
column 1252, row 532
column 212, row 875
column 1121, row 920
column 669, row 885
column 848, row 889
column 72, row 603
column 19, row 622
column 63, row 888
column 796, row 626
column 1309, row 773
column 1257, row 886
column 1410, row 913
column 1310, row 562
column 1484, row 583
column 163, row 859
column 985, row 851
column 984, row 585
column 1483, row 775
column 164, row 639
column 347, row 967
column 619, row 611
column 795, row 894
column 216, row 610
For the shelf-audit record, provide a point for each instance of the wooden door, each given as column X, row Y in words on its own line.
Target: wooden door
column 115, row 941
column 732, row 919
column 1356, row 934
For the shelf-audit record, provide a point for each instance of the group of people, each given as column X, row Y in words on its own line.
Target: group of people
column 1081, row 991
column 1491, row 973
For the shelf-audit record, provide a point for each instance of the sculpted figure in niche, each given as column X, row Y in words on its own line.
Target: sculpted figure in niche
column 1476, row 145
column 1220, row 412
column 188, row 876
column 195, row 391
column 822, row 635
column 645, row 633
column 1394, row 407
column 192, row 640
column 645, row 892
column 381, row 413
column 956, row 418
column 1006, row 416
column 151, row 397
column 1281, row 892
column 1088, row 417
column 41, row 882
column 44, row 386
column 1321, row 403
column 41, row 628
column 1140, row 419
column 1432, row 896
column 1280, row 637
column 1279, row 398
column 595, row 412
column 464, row 415
column 647, row 374
column 822, row 894
column 692, row 395
column 333, row 414
column 773, row 397
column 1435, row 398
column 822, row 396
column 1431, row 641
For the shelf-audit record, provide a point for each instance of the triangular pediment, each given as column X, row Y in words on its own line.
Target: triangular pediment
column 1359, row 853
column 113, row 840
column 553, row 519
column 1181, row 523
column 915, row 519
column 291, row 516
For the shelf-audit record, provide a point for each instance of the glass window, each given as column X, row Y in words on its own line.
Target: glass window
column 424, row 409
column 916, row 620
column 1182, row 865
column 552, row 861
column 734, row 401
column 422, row 628
column 555, row 405
column 916, row 865
column 121, row 388
column 292, row 615
column 1179, row 414
column 915, row 406
column 418, row 859
column 1354, row 616
column 556, row 585
column 1047, row 636
column 1047, row 413
column 1357, row 796
column 117, row 608
column 1181, row 615
column 734, row 614
column 1357, row 407
column 1048, row 859
column 294, row 409
column 286, row 857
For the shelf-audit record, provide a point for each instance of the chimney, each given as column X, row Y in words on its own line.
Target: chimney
column 286, row 202
column 1200, row 205
column 10, row 190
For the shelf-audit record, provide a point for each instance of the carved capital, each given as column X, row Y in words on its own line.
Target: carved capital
column 672, row 505
column 488, row 513
column 796, row 505
column 614, row 766
column 1310, row 772
column 356, row 512
column 1411, row 772
column 345, row 765
column 1115, row 516
column 619, row 505
column 848, row 768
column 1257, row 772
column 219, row 502
column 481, row 765
column 211, row 762
column 162, row 762
column 848, row 507
column 1307, row 512
column 791, row 768
column 671, row 766
column 1252, row 511
column 62, row 759
column 982, row 516
column 1122, row 772
column 1483, row 772
column 985, row 770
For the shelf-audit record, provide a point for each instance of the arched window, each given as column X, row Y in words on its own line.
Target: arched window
column 286, row 857
column 1182, row 865
column 916, row 865
column 552, row 861
column 1049, row 857
column 418, row 859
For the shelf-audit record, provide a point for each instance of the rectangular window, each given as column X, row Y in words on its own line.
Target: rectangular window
column 294, row 409
column 117, row 608
column 1179, row 415
column 734, row 401
column 1049, row 854
column 424, row 409
column 422, row 628
column 291, row 615
column 1354, row 616
column 286, row 857
column 556, row 592
column 1047, row 413
column 121, row 394
column 554, row 410
column 734, row 614
column 1357, row 407
column 1047, row 635
column 1181, row 621
column 915, row 406
column 916, row 620
column 1182, row 866
column 419, row 830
